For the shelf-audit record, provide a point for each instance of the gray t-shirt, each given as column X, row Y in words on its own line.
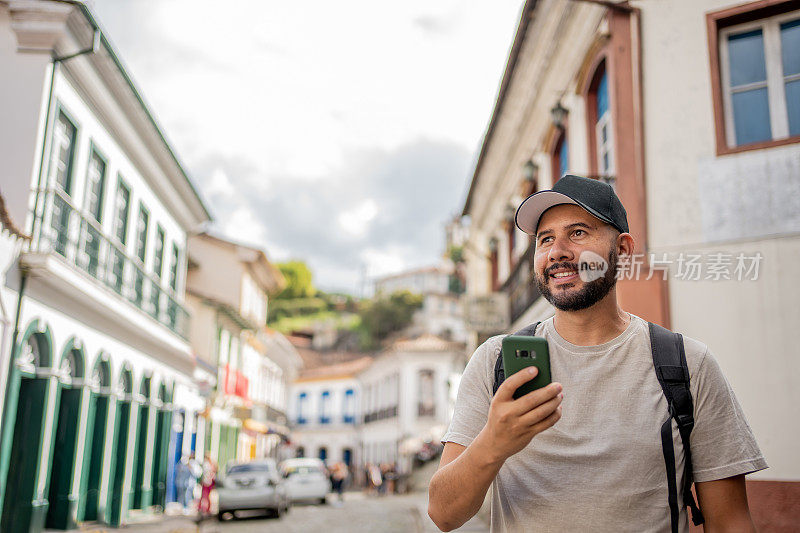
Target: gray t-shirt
column 601, row 467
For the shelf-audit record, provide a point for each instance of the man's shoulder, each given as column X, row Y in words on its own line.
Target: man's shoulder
column 489, row 350
column 694, row 349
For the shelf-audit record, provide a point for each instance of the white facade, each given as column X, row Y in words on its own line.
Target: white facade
column 229, row 287
column 108, row 210
column 407, row 398
column 744, row 202
column 706, row 164
column 379, row 410
column 325, row 415
column 419, row 281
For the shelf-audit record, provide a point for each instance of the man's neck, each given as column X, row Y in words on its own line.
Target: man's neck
column 594, row 325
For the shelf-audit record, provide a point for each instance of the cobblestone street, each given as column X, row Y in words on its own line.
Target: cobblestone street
column 390, row 514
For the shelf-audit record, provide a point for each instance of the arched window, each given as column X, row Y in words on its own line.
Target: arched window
column 559, row 155
column 301, row 403
column 324, row 408
column 601, row 122
column 349, row 406
column 427, row 393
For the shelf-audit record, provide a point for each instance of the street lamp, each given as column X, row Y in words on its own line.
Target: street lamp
column 558, row 113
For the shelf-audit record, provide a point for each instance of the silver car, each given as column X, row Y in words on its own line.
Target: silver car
column 306, row 479
column 252, row 485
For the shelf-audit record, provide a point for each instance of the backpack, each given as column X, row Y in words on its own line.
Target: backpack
column 669, row 361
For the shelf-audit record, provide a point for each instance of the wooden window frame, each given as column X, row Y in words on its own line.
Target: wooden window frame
column 175, row 270
column 142, row 210
column 158, row 255
column 599, row 66
column 716, row 23
column 94, row 152
column 559, row 138
column 122, row 240
column 52, row 179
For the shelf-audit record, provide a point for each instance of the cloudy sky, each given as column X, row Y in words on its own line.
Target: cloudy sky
column 340, row 133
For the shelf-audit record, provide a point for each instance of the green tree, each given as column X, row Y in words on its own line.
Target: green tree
column 382, row 315
column 298, row 281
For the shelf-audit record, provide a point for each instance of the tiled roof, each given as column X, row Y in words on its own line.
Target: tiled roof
column 338, row 370
column 425, row 343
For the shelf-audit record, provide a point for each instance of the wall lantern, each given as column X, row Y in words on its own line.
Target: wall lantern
column 530, row 170
column 558, row 113
column 510, row 213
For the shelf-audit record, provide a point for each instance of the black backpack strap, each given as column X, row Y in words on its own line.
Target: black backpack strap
column 499, row 371
column 669, row 360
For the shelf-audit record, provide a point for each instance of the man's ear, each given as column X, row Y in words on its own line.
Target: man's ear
column 625, row 244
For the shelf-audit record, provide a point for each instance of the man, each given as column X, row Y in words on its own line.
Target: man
column 584, row 453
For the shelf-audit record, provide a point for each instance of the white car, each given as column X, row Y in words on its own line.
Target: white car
column 252, row 485
column 306, row 479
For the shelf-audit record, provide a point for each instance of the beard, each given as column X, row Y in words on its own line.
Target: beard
column 591, row 292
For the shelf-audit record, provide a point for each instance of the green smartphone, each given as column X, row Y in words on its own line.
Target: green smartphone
column 521, row 352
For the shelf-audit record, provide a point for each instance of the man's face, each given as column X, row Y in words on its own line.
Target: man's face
column 566, row 236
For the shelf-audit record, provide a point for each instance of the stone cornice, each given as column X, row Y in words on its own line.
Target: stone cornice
column 38, row 25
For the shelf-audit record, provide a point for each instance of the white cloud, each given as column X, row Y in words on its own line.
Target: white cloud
column 243, row 226
column 354, row 222
column 381, row 262
column 292, row 89
column 220, row 185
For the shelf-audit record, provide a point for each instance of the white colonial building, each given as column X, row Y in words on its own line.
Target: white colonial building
column 407, row 398
column 692, row 111
column 228, row 291
column 380, row 409
column 99, row 357
column 325, row 412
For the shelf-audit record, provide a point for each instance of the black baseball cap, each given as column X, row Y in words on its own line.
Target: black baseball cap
column 596, row 197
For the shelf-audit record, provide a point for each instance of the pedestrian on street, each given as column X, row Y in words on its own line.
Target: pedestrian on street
column 608, row 461
column 184, row 483
column 207, row 483
column 338, row 478
column 383, row 487
column 375, row 478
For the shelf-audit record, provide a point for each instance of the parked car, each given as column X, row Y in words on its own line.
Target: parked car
column 306, row 479
column 252, row 485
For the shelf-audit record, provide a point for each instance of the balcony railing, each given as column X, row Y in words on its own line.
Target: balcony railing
column 520, row 285
column 81, row 242
column 382, row 414
column 424, row 409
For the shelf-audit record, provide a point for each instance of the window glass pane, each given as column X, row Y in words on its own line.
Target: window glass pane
column 751, row 116
column 173, row 271
column 790, row 47
column 121, row 218
column 141, row 234
column 563, row 158
column 97, row 174
column 746, row 51
column 63, row 145
column 602, row 96
column 158, row 260
column 793, row 106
